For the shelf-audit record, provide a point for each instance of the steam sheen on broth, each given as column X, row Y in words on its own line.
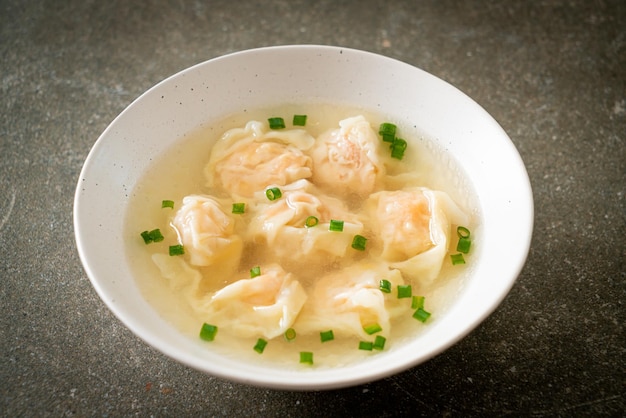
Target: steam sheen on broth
column 312, row 279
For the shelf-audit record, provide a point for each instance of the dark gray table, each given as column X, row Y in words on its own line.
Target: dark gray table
column 553, row 73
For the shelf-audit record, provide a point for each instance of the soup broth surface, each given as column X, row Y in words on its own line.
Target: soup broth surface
column 180, row 171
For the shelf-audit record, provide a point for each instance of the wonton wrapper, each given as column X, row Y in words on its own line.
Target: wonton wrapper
column 346, row 161
column 414, row 226
column 207, row 233
column 350, row 299
column 188, row 281
column 246, row 160
column 265, row 305
column 281, row 223
column 181, row 277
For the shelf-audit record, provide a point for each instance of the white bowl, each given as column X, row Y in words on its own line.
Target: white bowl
column 289, row 74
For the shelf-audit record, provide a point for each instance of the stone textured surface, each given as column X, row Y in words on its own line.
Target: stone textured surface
column 553, row 73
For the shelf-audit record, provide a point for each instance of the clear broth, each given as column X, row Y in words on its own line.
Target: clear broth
column 178, row 172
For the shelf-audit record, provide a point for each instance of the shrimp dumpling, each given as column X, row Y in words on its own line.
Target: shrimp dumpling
column 246, row 160
column 265, row 305
column 281, row 223
column 207, row 233
column 348, row 300
column 346, row 160
column 414, row 228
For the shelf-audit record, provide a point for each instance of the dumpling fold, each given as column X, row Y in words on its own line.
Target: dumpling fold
column 414, row 226
column 266, row 305
column 281, row 224
column 346, row 160
column 246, row 160
column 348, row 300
column 207, row 233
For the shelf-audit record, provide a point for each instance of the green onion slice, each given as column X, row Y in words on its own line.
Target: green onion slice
column 276, row 123
column 327, row 335
column 208, row 332
column 306, row 357
column 273, row 193
column 260, row 345
column 457, row 259
column 462, row 232
column 152, row 236
column 335, row 225
column 465, row 242
column 372, row 329
column 290, row 334
column 387, row 131
column 177, row 250
column 311, row 221
column 463, row 246
column 417, row 302
column 397, row 148
column 156, row 235
column 239, row 208
column 404, row 291
column 146, row 237
column 385, row 286
column 358, row 242
column 167, row 204
column 366, row 345
column 421, row 315
column 255, row 272
column 379, row 342
column 299, row 120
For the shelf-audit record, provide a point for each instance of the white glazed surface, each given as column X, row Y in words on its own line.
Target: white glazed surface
column 265, row 77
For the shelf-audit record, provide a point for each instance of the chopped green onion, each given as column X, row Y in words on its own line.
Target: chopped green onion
column 327, row 335
column 462, row 232
column 335, row 225
column 208, row 332
column 146, row 237
column 239, row 208
column 404, row 291
column 372, row 329
column 464, row 239
column 417, row 302
column 387, row 131
column 421, row 315
column 177, row 250
column 463, row 245
column 379, row 342
column 152, row 236
column 260, row 345
column 398, row 147
column 156, row 235
column 385, row 286
column 457, row 259
column 358, row 242
column 299, row 120
column 311, row 221
column 290, row 334
column 167, row 204
column 273, row 193
column 306, row 357
column 366, row 345
column 255, row 271
column 276, row 123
